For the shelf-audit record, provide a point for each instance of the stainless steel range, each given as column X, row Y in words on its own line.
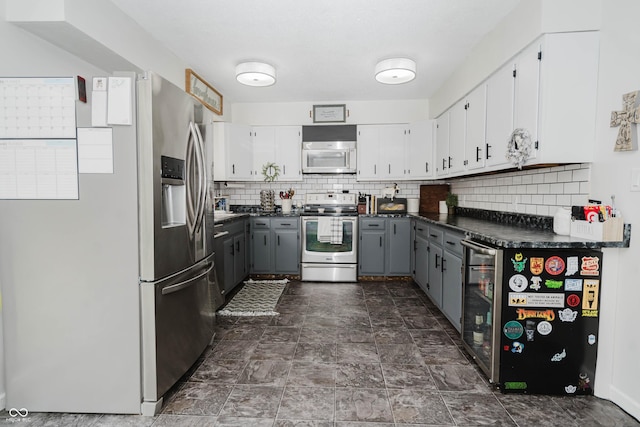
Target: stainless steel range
column 330, row 237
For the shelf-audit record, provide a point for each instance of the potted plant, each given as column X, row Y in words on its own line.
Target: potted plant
column 452, row 201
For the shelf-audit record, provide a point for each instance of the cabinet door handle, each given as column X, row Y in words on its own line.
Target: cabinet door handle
column 373, row 225
column 420, row 229
column 238, row 246
column 443, row 164
column 265, row 239
column 449, row 162
column 394, row 228
column 433, row 235
column 286, row 224
column 389, row 168
column 426, row 167
column 278, row 240
column 443, row 267
column 437, row 266
column 450, row 243
column 487, row 146
column 380, row 241
column 375, row 170
column 477, row 154
column 284, row 169
column 233, row 169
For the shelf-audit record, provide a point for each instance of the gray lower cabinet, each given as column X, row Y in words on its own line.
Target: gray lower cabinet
column 385, row 246
column 275, row 245
column 261, row 261
column 437, row 267
column 399, row 246
column 421, row 254
column 372, row 247
column 286, row 236
column 231, row 255
column 452, row 278
column 434, row 287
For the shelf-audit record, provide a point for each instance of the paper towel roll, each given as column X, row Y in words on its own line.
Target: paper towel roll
column 442, row 207
column 413, row 205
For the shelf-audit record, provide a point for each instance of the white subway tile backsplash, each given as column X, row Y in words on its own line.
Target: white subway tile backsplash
column 581, row 174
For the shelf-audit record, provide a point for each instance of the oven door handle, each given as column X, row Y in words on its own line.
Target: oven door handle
column 478, row 247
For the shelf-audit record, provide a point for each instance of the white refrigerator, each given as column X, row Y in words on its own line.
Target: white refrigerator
column 109, row 299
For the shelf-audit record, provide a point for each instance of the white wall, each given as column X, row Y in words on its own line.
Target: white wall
column 26, row 55
column 618, row 368
column 359, row 112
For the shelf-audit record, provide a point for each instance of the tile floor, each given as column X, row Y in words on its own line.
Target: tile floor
column 371, row 354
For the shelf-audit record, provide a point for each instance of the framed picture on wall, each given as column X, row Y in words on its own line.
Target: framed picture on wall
column 203, row 91
column 329, row 113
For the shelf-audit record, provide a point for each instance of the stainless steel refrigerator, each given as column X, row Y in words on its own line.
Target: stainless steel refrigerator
column 109, row 299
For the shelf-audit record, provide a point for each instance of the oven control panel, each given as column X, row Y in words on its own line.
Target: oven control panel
column 342, row 199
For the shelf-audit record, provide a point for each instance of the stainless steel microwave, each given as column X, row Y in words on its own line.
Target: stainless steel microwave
column 329, row 149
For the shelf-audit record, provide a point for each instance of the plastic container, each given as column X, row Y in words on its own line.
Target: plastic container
column 562, row 221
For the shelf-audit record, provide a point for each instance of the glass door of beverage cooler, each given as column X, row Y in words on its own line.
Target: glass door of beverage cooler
column 482, row 275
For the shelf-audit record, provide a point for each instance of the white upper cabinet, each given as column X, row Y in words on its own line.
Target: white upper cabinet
column 442, row 145
column 368, row 152
column 233, row 152
column 457, row 133
column 527, row 89
column 393, row 144
column 420, row 147
column 289, row 152
column 548, row 89
column 568, row 95
column 475, row 136
column 500, row 95
column 245, row 150
column 264, row 149
column 381, row 152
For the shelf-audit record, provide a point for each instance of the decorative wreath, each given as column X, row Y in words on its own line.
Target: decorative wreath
column 270, row 171
column 519, row 147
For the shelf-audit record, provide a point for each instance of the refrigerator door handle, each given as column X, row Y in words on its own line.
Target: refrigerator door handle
column 202, row 195
column 180, row 286
column 189, row 182
column 478, row 247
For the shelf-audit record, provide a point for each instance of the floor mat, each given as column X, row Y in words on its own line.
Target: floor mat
column 256, row 298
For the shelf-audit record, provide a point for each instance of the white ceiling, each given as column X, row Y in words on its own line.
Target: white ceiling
column 323, row 50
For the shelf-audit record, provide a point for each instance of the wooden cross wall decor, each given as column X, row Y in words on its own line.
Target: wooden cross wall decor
column 627, row 134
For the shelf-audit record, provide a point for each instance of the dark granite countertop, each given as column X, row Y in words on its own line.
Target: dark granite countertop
column 517, row 234
column 222, row 218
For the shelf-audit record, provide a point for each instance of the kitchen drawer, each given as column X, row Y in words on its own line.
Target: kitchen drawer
column 261, row 223
column 422, row 229
column 452, row 242
column 286, row 223
column 372, row 223
column 436, row 235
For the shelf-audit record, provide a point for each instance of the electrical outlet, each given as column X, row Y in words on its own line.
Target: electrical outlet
column 635, row 179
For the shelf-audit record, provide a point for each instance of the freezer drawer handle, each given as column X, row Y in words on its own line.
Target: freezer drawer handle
column 478, row 248
column 220, row 234
column 180, row 286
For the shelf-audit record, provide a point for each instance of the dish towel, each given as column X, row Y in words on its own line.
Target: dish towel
column 336, row 231
column 324, row 229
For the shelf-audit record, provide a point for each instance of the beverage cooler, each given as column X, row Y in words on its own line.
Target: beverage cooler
column 530, row 316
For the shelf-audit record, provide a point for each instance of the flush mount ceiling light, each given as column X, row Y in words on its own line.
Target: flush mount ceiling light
column 255, row 74
column 395, row 71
